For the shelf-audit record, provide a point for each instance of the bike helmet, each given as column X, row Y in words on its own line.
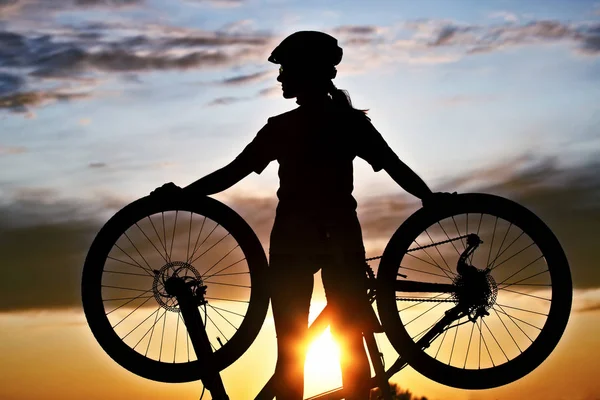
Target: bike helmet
column 308, row 48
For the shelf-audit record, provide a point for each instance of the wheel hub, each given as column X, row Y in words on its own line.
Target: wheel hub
column 168, row 277
column 476, row 290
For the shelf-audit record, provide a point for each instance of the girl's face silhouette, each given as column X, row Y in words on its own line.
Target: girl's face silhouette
column 291, row 81
column 296, row 80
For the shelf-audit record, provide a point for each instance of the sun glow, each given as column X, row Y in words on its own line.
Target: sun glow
column 322, row 367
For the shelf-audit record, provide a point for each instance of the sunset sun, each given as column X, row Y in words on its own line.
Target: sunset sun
column 322, row 366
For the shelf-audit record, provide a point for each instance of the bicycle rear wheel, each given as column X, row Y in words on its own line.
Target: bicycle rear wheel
column 484, row 321
column 131, row 314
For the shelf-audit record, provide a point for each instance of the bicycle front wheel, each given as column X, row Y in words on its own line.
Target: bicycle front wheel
column 486, row 294
column 133, row 316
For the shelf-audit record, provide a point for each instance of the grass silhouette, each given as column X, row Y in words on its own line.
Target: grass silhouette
column 397, row 393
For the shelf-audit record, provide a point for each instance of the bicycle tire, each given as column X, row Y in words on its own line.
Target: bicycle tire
column 93, row 289
column 451, row 373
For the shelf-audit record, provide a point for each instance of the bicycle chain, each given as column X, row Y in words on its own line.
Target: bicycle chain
column 421, row 248
column 424, row 247
column 426, row 300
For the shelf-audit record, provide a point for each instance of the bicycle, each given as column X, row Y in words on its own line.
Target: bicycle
column 478, row 264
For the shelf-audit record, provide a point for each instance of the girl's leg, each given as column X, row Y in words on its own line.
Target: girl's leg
column 291, row 290
column 346, row 294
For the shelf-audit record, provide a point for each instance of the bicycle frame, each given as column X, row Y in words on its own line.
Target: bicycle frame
column 214, row 383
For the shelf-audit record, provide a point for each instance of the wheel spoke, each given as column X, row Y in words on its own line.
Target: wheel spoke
column 440, row 254
column 422, row 272
column 210, row 248
column 501, row 245
column 162, row 245
column 448, row 237
column 420, row 315
column 221, row 259
column 520, row 320
column 134, row 298
column 458, row 234
column 454, row 341
column 492, row 243
column 151, row 242
column 228, row 311
column 176, row 332
column 441, row 342
column 494, row 337
column 221, row 299
column 135, row 263
column 522, row 280
column 187, row 249
column 165, row 236
column 128, row 273
column 173, row 236
column 156, row 318
column 149, row 329
column 426, row 329
column 525, row 294
column 513, row 321
column 521, row 309
column 127, row 316
column 508, row 331
column 511, row 257
column 196, row 247
column 162, row 338
column 218, row 329
column 469, row 345
column 445, row 271
column 229, row 322
column 227, row 284
column 218, row 273
column 204, row 241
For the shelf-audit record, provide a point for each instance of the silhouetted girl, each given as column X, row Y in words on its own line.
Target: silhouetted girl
column 316, row 226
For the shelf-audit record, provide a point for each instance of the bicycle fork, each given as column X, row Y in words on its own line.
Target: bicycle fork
column 188, row 304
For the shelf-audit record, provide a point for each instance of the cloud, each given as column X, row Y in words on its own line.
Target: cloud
column 248, row 78
column 591, row 44
column 42, row 9
column 20, row 102
column 12, row 150
column 586, row 300
column 218, row 3
column 221, row 101
column 109, row 3
column 10, row 83
column 218, row 40
column 44, row 239
column 477, row 39
column 73, row 62
column 356, row 29
column 438, row 41
column 97, row 165
column 505, row 15
column 93, row 50
column 269, row 92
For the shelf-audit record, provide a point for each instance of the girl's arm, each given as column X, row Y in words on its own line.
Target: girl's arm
column 220, row 180
column 406, row 178
column 212, row 183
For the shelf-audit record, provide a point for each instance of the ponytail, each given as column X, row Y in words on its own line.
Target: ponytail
column 342, row 100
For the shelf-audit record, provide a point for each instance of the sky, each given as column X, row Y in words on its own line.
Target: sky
column 101, row 101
